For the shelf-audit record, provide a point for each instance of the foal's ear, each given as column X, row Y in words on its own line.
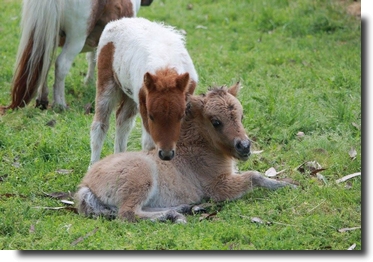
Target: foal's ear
column 149, row 81
column 192, row 87
column 233, row 90
column 182, row 82
column 194, row 106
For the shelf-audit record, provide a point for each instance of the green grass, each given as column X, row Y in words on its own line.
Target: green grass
column 299, row 64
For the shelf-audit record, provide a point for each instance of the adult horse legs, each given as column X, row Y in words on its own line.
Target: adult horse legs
column 125, row 120
column 72, row 47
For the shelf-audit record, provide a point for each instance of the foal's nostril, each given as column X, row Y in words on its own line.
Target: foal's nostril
column 166, row 155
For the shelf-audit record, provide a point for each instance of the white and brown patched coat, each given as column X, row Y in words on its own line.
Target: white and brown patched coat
column 136, row 54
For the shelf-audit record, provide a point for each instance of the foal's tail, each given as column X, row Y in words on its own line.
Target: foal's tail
column 89, row 205
column 40, row 27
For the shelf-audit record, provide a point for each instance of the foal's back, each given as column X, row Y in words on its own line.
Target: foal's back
column 143, row 46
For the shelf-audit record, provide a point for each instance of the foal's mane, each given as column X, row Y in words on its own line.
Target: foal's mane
column 218, row 90
column 212, row 91
column 221, row 90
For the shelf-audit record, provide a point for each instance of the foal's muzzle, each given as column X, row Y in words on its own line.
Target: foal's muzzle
column 242, row 147
column 166, row 154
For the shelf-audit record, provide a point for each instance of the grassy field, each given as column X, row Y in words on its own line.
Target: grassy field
column 299, row 64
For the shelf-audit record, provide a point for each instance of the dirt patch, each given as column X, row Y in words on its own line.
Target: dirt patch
column 354, row 9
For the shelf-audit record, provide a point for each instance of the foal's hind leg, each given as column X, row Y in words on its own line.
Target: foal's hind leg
column 162, row 212
column 168, row 214
column 106, row 99
column 107, row 95
column 125, row 120
column 139, row 187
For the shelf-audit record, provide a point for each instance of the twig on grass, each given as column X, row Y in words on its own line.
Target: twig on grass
column 80, row 239
column 342, row 230
column 256, row 220
column 309, row 211
column 343, row 179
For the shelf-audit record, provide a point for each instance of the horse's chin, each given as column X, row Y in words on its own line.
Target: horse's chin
column 242, row 157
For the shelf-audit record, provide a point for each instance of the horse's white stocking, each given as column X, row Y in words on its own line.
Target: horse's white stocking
column 125, row 120
column 63, row 64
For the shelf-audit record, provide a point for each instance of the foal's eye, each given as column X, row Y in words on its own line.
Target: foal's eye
column 151, row 117
column 216, row 123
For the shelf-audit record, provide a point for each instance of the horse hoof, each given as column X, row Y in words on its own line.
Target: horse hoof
column 180, row 221
column 42, row 104
column 59, row 108
column 198, row 210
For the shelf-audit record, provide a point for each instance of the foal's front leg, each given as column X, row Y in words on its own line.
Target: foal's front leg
column 229, row 187
column 147, row 142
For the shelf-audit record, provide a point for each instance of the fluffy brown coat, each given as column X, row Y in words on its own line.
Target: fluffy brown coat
column 134, row 185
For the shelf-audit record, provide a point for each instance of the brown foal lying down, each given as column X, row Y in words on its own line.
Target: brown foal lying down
column 133, row 185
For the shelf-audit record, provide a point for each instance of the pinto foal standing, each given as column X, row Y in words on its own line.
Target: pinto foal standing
column 141, row 60
column 132, row 185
